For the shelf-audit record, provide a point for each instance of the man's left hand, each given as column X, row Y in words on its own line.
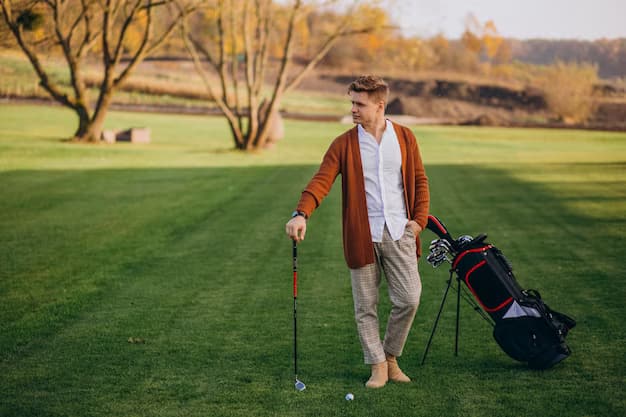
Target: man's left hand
column 415, row 227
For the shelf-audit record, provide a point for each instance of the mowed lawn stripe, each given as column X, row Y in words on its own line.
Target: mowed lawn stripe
column 124, row 221
column 210, row 261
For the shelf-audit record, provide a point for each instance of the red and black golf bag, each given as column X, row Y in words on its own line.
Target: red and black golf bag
column 524, row 326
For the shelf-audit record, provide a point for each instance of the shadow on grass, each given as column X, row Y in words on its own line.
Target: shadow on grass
column 195, row 262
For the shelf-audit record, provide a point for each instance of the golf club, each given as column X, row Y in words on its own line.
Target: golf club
column 440, row 250
column 299, row 384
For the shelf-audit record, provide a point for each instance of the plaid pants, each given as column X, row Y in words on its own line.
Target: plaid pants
column 398, row 262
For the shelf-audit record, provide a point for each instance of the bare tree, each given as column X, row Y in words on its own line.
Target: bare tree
column 78, row 29
column 238, row 56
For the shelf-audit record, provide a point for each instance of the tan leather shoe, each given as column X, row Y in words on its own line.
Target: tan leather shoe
column 380, row 376
column 394, row 372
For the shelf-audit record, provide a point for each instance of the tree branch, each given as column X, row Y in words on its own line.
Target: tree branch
column 282, row 76
column 199, row 47
column 44, row 79
column 89, row 39
column 106, row 29
column 321, row 53
column 117, row 56
column 73, row 64
column 139, row 54
column 183, row 12
column 234, row 65
column 262, row 52
column 223, row 106
column 250, row 65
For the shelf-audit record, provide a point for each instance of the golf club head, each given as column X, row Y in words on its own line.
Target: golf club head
column 436, row 260
column 464, row 240
column 442, row 244
column 300, row 385
column 439, row 251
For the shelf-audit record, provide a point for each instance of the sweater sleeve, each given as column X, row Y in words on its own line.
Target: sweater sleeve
column 422, row 193
column 321, row 183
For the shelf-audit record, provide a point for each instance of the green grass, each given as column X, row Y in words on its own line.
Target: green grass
column 181, row 243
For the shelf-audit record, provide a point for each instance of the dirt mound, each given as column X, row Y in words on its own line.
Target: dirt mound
column 459, row 111
column 610, row 114
column 478, row 103
column 486, row 95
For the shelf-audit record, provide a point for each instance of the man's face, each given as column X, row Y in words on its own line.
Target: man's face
column 364, row 109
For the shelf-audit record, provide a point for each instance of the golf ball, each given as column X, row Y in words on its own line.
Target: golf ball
column 349, row 396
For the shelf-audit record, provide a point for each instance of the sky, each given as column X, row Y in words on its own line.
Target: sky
column 521, row 19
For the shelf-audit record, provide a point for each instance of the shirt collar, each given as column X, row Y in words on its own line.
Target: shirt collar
column 362, row 132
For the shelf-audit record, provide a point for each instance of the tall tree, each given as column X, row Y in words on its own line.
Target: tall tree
column 237, row 51
column 484, row 39
column 119, row 33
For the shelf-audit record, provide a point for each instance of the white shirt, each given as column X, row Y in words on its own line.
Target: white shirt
column 384, row 189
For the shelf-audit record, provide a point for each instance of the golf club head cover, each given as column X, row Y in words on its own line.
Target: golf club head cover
column 437, row 227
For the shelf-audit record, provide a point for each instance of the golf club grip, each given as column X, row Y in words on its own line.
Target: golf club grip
column 295, row 269
column 437, row 227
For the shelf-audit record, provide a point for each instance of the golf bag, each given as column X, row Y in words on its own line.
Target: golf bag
column 525, row 327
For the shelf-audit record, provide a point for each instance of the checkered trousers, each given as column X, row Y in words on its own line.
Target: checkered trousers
column 397, row 260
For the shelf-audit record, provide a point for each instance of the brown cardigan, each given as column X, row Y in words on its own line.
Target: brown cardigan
column 344, row 157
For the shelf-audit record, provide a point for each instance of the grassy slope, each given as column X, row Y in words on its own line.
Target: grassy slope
column 165, row 82
column 180, row 243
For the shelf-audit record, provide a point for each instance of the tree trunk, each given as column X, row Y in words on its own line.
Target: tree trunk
column 94, row 132
column 83, row 123
column 90, row 128
column 234, row 124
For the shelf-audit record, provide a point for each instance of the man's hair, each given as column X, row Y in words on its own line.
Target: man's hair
column 375, row 87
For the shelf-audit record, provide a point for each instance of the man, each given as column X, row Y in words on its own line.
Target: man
column 385, row 207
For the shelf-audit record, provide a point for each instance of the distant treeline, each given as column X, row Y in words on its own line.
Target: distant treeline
column 377, row 44
column 608, row 54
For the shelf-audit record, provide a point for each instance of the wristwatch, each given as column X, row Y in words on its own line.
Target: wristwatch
column 298, row 213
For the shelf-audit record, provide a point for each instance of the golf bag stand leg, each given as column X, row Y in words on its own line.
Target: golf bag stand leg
column 432, row 333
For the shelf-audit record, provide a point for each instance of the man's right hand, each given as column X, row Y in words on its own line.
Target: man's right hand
column 296, row 228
